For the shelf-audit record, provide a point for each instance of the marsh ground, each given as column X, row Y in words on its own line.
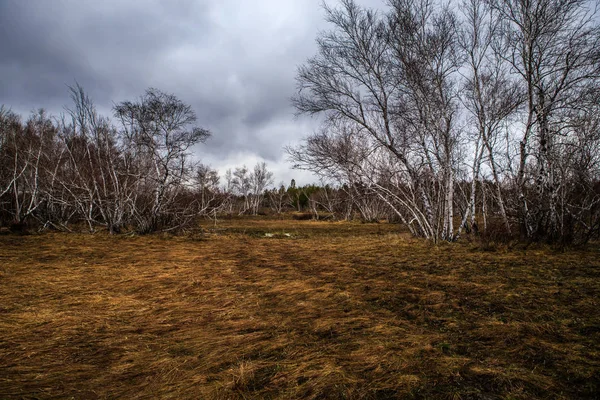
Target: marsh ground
column 263, row 308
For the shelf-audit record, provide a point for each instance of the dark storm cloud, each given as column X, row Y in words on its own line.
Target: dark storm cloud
column 233, row 61
column 110, row 48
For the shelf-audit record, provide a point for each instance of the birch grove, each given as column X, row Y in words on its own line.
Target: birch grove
column 468, row 117
column 134, row 172
column 461, row 114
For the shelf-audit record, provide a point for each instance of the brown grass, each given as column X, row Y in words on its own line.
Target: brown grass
column 317, row 310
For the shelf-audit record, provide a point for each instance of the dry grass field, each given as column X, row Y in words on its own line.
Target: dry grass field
column 254, row 309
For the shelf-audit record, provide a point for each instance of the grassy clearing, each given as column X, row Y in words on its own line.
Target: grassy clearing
column 317, row 310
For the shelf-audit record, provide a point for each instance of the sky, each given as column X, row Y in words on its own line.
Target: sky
column 233, row 61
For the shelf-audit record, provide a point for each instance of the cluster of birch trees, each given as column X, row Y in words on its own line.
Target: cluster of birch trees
column 84, row 167
column 462, row 116
column 135, row 172
column 131, row 172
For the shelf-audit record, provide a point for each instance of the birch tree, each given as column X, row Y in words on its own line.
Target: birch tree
column 260, row 178
column 160, row 128
column 490, row 96
column 553, row 48
column 391, row 76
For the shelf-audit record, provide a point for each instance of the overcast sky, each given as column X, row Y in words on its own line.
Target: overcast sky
column 233, row 61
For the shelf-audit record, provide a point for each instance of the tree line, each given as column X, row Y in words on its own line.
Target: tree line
column 84, row 167
column 456, row 118
column 134, row 172
column 461, row 115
